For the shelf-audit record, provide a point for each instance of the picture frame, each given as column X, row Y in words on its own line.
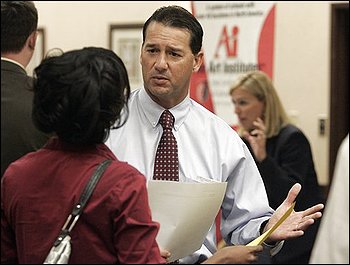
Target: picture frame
column 126, row 40
column 39, row 51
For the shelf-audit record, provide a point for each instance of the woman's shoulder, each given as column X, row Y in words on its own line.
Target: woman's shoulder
column 291, row 133
column 291, row 129
column 122, row 173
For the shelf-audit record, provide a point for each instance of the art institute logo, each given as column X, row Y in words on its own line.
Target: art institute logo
column 228, row 41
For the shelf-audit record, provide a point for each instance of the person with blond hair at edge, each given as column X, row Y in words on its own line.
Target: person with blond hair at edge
column 332, row 241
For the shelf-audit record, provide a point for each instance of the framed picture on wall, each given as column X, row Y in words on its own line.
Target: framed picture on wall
column 39, row 52
column 125, row 40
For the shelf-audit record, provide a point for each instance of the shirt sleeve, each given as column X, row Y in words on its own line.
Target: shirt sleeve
column 332, row 242
column 245, row 205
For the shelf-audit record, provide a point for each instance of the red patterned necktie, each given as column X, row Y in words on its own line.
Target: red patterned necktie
column 166, row 165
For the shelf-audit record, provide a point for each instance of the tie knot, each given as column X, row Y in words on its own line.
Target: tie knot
column 166, row 119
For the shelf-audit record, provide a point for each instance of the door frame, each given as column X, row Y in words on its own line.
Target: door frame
column 339, row 91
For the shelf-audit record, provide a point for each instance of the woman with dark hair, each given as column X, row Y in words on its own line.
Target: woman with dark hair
column 78, row 96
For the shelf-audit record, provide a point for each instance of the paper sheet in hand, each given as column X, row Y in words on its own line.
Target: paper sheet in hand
column 185, row 212
column 264, row 236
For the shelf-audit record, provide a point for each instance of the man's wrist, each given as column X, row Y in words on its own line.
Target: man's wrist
column 262, row 226
column 267, row 242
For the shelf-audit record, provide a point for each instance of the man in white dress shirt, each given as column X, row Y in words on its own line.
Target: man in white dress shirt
column 207, row 146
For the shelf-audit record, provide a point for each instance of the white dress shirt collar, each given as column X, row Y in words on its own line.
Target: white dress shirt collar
column 13, row 61
column 153, row 111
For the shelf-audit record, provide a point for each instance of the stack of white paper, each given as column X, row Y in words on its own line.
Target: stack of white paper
column 185, row 212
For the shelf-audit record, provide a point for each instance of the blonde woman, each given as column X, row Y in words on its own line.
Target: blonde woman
column 281, row 151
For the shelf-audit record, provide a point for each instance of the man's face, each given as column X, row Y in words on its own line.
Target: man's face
column 167, row 63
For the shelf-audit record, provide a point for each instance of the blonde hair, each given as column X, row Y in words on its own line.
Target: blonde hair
column 260, row 85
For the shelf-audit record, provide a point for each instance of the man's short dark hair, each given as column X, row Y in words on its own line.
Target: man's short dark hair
column 19, row 19
column 178, row 17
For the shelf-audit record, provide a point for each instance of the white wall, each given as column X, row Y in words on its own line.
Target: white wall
column 74, row 25
column 302, row 70
column 302, row 51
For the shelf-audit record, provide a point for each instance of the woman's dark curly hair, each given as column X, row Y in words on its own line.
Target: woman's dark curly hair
column 80, row 95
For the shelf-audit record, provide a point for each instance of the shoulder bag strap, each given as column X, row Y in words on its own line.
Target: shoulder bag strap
column 89, row 188
column 84, row 197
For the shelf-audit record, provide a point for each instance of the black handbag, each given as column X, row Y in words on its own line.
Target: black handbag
column 61, row 250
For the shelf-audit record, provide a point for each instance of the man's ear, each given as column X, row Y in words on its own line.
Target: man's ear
column 32, row 40
column 198, row 60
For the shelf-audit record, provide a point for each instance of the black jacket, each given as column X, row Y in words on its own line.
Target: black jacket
column 289, row 160
column 18, row 134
